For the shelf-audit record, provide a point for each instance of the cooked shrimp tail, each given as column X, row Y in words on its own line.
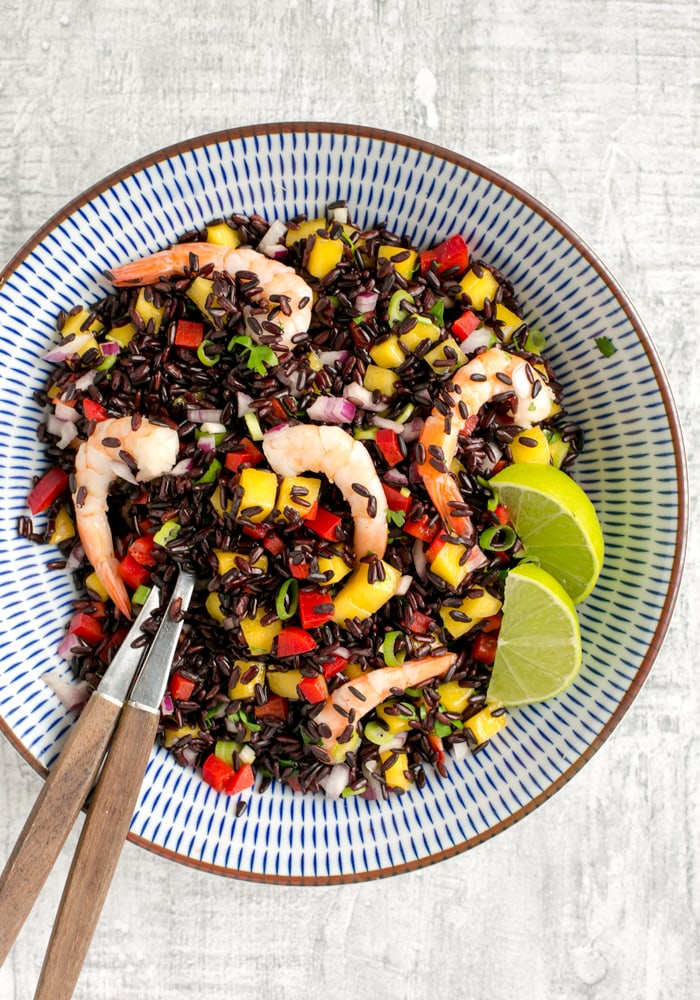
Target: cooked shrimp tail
column 159, row 265
column 99, row 461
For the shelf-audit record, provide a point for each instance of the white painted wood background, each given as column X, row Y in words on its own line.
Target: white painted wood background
column 592, row 105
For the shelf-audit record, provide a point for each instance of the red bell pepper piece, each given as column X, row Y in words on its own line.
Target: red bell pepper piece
column 334, row 665
column 245, row 453
column 141, row 549
column 501, row 514
column 109, row 648
column 181, row 687
column 492, row 623
column 255, row 530
column 421, row 624
column 484, row 648
column 188, row 334
column 434, row 548
column 278, row 411
column 93, row 410
column 438, row 746
column 292, row 641
column 325, row 524
column 276, row 707
column 314, row 689
column 274, row 544
column 241, row 779
column 465, row 325
column 422, row 528
column 49, row 488
column 309, row 601
column 396, row 500
column 86, row 627
column 453, row 252
column 133, row 573
column 300, row 570
column 217, row 773
column 388, row 442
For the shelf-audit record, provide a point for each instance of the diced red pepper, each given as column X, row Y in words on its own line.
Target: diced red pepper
column 243, row 778
column 453, row 252
column 110, row 648
column 181, row 687
column 500, row 464
column 133, row 573
column 217, row 773
column 255, row 530
column 484, row 648
column 465, row 325
column 501, row 514
column 434, row 548
column 188, row 334
column 438, row 746
column 492, row 624
column 274, row 544
column 293, row 640
column 299, row 570
column 309, row 601
column 276, row 707
column 141, row 549
column 421, row 624
column 388, row 444
column 278, row 411
column 325, row 524
column 49, row 488
column 314, row 689
column 396, row 500
column 245, row 453
column 86, row 627
column 93, row 410
column 334, row 665
column 422, row 527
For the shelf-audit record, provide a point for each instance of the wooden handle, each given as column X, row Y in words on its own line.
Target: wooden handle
column 53, row 815
column 103, row 835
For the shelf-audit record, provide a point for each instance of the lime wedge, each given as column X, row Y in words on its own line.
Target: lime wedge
column 539, row 645
column 556, row 522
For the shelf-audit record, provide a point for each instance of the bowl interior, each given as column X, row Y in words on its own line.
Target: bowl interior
column 632, row 468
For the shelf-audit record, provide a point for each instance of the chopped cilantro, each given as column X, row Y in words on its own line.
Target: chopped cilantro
column 605, row 346
column 260, row 356
column 397, row 517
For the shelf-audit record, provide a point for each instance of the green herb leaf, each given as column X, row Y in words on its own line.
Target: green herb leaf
column 259, row 358
column 605, row 346
column 397, row 517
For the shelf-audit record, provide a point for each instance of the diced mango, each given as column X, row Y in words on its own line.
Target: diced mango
column 74, row 324
column 388, row 353
column 199, row 291
column 122, row 334
column 394, row 723
column 305, row 230
column 291, row 495
column 229, row 560
column 223, row 235
column 94, row 584
column 380, row 378
column 424, row 329
column 403, row 267
column 510, row 322
column 215, row 501
column 447, row 356
column 479, row 288
column 531, row 446
column 285, row 683
column 213, row 606
column 476, row 608
column 336, row 565
column 359, row 598
column 484, row 725
column 448, row 566
column 259, row 491
column 260, row 637
column 64, row 527
column 454, row 697
column 339, row 751
column 171, row 736
column 324, row 256
column 148, row 311
column 240, row 691
column 394, row 775
column 354, row 670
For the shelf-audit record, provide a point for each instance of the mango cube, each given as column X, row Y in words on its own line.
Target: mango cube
column 324, row 256
column 199, row 291
column 240, row 691
column 259, row 637
column 484, row 725
column 403, row 267
column 454, row 697
column 229, row 560
column 213, row 606
column 259, row 494
column 359, row 598
column 74, row 324
column 64, row 527
column 285, row 683
column 171, row 736
column 336, row 565
column 223, row 235
column 447, row 356
column 215, row 501
column 424, row 329
column 476, row 608
column 531, row 446
column 448, row 566
column 93, row 583
column 388, row 353
column 305, row 230
column 479, row 288
column 299, row 494
column 394, row 723
column 509, row 322
column 394, row 775
column 380, row 378
column 148, row 311
column 122, row 334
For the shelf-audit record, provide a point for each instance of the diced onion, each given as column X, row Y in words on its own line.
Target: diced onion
column 335, row 781
column 207, row 442
column 332, row 410
column 64, row 431
column 328, row 358
column 66, row 413
column 388, row 425
column 110, row 347
column 243, row 403
column 481, row 337
column 392, row 477
column 246, row 754
column 66, row 646
column 362, row 397
column 412, row 430
column 420, row 561
column 71, row 694
column 63, row 352
column 403, row 586
column 366, row 302
column 202, row 415
column 212, row 427
column 167, row 705
column 338, row 214
column 182, row 467
column 460, row 751
column 85, row 380
column 273, row 240
column 75, row 558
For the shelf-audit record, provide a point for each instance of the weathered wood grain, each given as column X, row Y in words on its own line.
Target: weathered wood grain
column 593, row 105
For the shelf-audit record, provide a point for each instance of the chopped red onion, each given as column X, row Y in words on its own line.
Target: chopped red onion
column 167, row 705
column 273, row 240
column 201, row 415
column 75, row 558
column 362, row 397
column 335, row 781
column 66, row 413
column 189, row 756
column 332, row 410
column 404, row 585
column 492, row 457
column 366, row 302
column 397, row 742
column 65, row 351
column 392, row 477
column 85, row 380
column 338, row 214
column 329, row 358
column 71, row 694
column 412, row 430
column 66, row 646
column 481, row 337
column 63, row 429
column 414, row 475
column 182, row 467
column 243, row 403
column 388, row 425
column 110, row 347
column 420, row 562
column 122, row 471
column 207, row 442
column 211, row 427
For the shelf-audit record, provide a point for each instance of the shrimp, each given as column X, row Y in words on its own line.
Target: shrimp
column 98, row 462
column 365, row 692
column 477, row 382
column 275, row 279
column 345, row 462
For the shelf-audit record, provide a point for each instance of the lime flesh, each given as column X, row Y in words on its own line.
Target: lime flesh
column 539, row 645
column 556, row 522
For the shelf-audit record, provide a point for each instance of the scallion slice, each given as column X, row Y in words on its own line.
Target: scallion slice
column 287, row 599
column 205, row 359
column 392, row 657
column 498, row 538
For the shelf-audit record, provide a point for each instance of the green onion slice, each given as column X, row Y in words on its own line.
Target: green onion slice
column 205, row 359
column 287, row 599
column 392, row 657
column 498, row 538
column 395, row 311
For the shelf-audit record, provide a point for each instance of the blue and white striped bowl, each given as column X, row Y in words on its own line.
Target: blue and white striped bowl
column 632, row 468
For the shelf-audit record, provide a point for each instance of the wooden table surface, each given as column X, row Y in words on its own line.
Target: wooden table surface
column 593, row 106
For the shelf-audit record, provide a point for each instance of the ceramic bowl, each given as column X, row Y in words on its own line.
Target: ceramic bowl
column 632, row 468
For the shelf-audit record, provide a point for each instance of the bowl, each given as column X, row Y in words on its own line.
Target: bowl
column 632, row 468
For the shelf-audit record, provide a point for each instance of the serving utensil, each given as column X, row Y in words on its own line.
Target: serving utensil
column 119, row 721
